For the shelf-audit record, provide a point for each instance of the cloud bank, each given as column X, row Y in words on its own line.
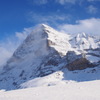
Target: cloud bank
column 62, row 2
column 92, row 10
column 39, row 2
column 89, row 26
column 52, row 19
column 9, row 45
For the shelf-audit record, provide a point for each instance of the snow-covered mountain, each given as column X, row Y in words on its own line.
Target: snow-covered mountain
column 83, row 41
column 45, row 51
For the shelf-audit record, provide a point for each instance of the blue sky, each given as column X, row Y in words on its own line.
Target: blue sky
column 18, row 17
column 15, row 15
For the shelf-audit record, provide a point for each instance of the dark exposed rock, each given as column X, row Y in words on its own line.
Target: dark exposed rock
column 72, row 56
column 50, row 65
column 14, row 83
column 21, row 73
column 79, row 64
column 52, row 62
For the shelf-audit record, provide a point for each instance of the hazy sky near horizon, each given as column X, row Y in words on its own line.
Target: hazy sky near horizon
column 18, row 17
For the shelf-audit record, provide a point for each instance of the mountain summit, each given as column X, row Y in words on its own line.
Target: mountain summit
column 43, row 52
column 38, row 55
column 41, row 40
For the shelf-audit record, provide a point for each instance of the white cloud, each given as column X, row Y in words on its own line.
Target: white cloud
column 52, row 19
column 62, row 2
column 89, row 26
column 91, row 9
column 92, row 0
column 39, row 2
column 4, row 55
column 22, row 35
column 66, row 1
column 7, row 48
column 9, row 45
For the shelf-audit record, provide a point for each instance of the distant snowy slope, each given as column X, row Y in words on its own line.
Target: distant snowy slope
column 83, row 41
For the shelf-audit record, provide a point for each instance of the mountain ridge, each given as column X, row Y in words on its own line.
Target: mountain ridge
column 43, row 52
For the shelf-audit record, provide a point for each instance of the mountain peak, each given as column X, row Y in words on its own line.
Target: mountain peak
column 41, row 53
column 38, row 55
column 83, row 41
column 44, row 25
column 82, row 35
column 44, row 37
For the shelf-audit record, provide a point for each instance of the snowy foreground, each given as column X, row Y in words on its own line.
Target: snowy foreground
column 61, row 85
column 65, row 91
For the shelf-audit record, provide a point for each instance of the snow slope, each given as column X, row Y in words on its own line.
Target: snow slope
column 56, row 87
column 64, row 76
column 82, row 41
column 69, row 91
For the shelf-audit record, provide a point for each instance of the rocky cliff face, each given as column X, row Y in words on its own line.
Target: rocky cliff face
column 45, row 51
